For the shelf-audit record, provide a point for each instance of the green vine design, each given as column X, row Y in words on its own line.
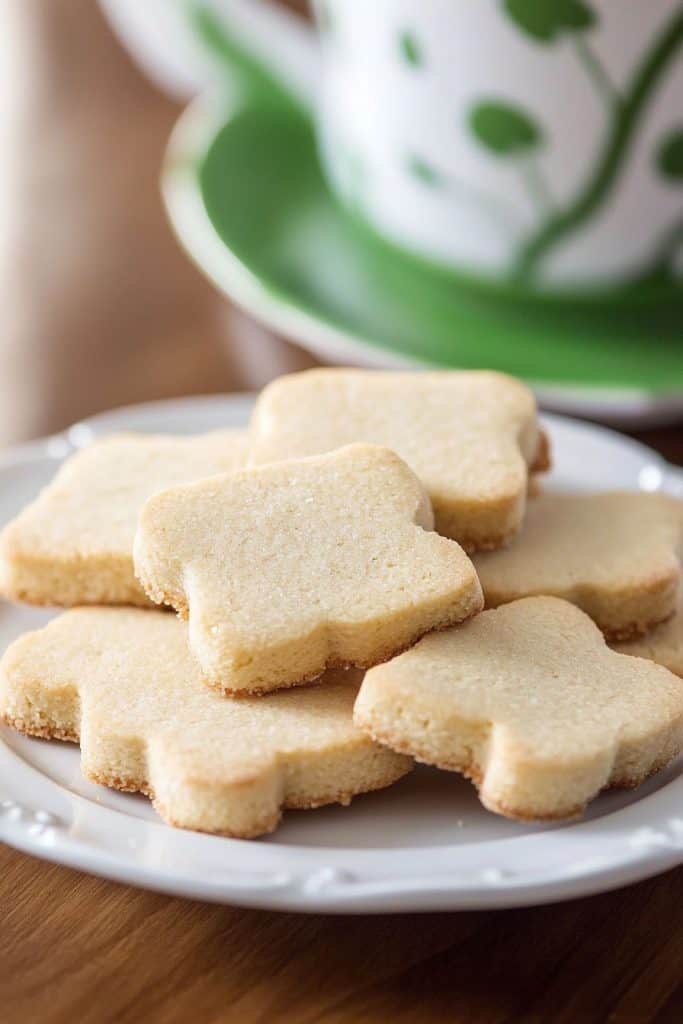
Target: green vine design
column 510, row 132
column 670, row 156
column 663, row 266
column 552, row 19
column 495, row 209
column 507, row 131
column 410, row 49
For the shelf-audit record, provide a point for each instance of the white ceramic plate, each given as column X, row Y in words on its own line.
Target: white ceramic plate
column 424, row 844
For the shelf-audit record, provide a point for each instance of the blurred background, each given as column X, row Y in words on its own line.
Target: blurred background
column 100, row 305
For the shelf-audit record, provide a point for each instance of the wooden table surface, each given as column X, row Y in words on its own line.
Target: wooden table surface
column 100, row 308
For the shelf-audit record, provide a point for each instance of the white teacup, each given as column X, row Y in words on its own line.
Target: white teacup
column 532, row 143
column 536, row 141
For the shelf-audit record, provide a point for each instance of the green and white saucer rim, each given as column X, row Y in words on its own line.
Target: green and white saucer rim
column 191, row 137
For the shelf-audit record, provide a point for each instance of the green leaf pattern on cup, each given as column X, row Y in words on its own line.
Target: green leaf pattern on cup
column 625, row 113
column 503, row 128
column 490, row 205
column 546, row 19
column 410, row 49
column 508, row 132
column 670, row 156
column 546, row 23
column 511, row 134
column 668, row 261
column 424, row 171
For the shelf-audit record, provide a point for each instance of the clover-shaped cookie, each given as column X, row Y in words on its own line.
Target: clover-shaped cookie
column 74, row 544
column 123, row 682
column 291, row 568
column 472, row 437
column 615, row 555
column 664, row 644
column 529, row 702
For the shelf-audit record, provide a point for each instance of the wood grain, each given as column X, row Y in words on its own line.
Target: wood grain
column 75, row 948
column 99, row 308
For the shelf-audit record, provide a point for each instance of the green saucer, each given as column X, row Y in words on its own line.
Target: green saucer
column 248, row 200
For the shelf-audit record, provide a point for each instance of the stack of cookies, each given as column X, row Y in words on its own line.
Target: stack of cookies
column 360, row 525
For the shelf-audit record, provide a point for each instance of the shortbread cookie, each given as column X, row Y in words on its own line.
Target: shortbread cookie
column 614, row 555
column 471, row 437
column 664, row 644
column 74, row 544
column 530, row 703
column 290, row 568
column 122, row 681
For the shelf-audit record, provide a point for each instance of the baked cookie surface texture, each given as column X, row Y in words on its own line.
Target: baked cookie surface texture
column 471, row 437
column 74, row 543
column 290, row 568
column 529, row 702
column 664, row 644
column 616, row 555
column 122, row 682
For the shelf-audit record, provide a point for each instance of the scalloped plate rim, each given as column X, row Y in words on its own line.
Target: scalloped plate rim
column 39, row 816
